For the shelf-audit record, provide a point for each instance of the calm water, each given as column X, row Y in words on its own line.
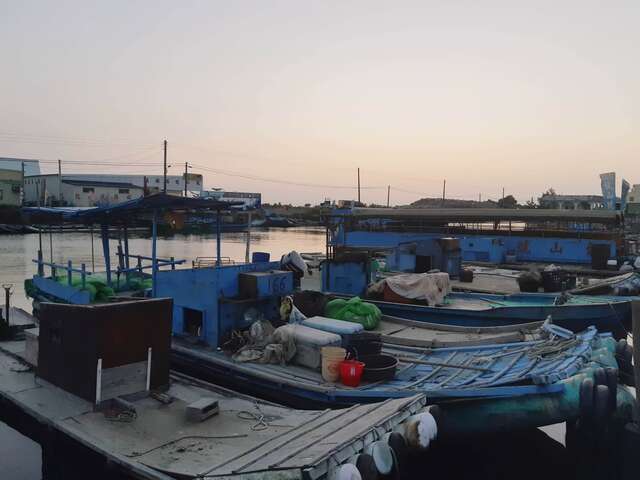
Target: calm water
column 20, row 458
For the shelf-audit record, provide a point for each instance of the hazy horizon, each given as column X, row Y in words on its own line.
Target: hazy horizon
column 290, row 98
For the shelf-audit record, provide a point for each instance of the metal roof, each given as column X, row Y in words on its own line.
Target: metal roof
column 446, row 215
column 93, row 183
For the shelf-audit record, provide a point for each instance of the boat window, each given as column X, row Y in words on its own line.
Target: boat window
column 88, row 190
column 192, row 321
column 123, row 190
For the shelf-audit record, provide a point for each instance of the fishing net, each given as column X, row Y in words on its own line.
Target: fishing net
column 354, row 310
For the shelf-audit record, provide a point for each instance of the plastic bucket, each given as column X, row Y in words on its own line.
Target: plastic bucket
column 331, row 358
column 351, row 372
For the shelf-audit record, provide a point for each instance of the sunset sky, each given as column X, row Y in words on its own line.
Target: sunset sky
column 289, row 97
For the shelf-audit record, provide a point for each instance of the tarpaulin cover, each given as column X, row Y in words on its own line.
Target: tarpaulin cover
column 430, row 287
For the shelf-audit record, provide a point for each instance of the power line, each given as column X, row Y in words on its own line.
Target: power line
column 275, row 180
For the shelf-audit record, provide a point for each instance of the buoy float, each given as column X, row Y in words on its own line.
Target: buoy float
column 348, row 471
column 420, row 430
column 366, row 466
column 383, row 457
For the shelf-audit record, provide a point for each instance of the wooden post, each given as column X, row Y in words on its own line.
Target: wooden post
column 154, row 258
column 173, row 263
column 218, row 238
column 247, row 251
column 635, row 320
column 40, row 264
column 69, row 272
column 84, row 275
column 104, row 230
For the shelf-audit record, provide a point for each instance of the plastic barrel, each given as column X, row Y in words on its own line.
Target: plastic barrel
column 331, row 359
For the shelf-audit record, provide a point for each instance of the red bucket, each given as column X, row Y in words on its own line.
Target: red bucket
column 351, row 372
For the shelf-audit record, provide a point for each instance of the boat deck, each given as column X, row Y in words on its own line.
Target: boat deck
column 245, row 437
column 490, row 370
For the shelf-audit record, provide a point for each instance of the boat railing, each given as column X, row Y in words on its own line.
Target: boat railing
column 68, row 268
column 139, row 267
column 208, row 262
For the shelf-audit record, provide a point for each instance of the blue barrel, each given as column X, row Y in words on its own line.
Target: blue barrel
column 258, row 257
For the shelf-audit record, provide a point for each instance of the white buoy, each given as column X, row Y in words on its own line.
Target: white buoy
column 420, row 430
column 383, row 456
column 347, row 471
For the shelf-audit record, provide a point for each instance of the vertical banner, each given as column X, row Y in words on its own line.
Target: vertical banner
column 608, row 185
column 624, row 194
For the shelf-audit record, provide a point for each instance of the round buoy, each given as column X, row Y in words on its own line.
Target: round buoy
column 367, row 467
column 383, row 457
column 612, row 384
column 399, row 446
column 587, row 388
column 420, row 430
column 348, row 471
column 599, row 376
column 601, row 402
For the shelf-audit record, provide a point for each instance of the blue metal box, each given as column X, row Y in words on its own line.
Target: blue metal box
column 265, row 284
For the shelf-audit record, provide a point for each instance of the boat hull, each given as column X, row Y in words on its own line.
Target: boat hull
column 613, row 316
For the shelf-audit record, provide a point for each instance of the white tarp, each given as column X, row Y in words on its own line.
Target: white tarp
column 431, row 287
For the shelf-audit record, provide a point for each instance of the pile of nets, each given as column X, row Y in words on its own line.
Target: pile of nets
column 354, row 310
column 98, row 289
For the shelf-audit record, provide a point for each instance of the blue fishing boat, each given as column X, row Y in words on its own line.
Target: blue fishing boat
column 219, row 304
column 574, row 312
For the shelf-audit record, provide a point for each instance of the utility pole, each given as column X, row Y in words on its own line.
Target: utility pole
column 59, row 182
column 22, row 186
column 444, row 190
column 358, row 184
column 479, row 198
column 502, row 197
column 186, row 167
column 388, row 194
column 164, row 177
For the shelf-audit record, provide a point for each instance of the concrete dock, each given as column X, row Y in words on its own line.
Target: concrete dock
column 154, row 439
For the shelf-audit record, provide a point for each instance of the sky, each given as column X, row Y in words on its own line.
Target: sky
column 289, row 98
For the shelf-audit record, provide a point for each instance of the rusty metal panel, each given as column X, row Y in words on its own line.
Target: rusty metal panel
column 73, row 338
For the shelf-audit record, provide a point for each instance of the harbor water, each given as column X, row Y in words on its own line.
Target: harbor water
column 20, row 457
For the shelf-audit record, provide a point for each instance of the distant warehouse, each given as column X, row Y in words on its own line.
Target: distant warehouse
column 88, row 190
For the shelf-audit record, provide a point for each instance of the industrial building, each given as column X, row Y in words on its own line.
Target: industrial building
column 88, row 190
column 31, row 167
column 10, row 185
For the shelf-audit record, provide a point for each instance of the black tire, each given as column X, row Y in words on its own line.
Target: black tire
column 587, row 393
column 366, row 465
column 599, row 376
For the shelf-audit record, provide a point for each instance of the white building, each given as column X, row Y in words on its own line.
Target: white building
column 87, row 190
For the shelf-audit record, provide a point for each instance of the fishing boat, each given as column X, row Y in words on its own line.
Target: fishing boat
column 574, row 312
column 215, row 304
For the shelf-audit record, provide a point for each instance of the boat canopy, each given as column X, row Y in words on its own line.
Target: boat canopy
column 484, row 214
column 125, row 211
